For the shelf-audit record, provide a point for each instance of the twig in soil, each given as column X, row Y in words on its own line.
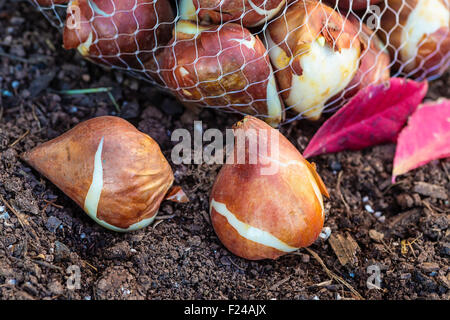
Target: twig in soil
column 165, row 217
column 22, row 221
column 432, row 208
column 157, row 223
column 19, row 139
column 90, row 265
column 331, row 274
column 1, row 113
column 235, row 264
column 279, row 283
column 321, row 284
column 46, row 264
column 161, row 219
column 387, row 247
column 33, row 111
column 338, row 188
column 51, row 203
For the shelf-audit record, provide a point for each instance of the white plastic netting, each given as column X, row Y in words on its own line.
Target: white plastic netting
column 280, row 60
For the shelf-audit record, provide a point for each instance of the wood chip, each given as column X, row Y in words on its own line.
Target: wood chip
column 404, row 217
column 345, row 248
column 376, row 236
column 431, row 190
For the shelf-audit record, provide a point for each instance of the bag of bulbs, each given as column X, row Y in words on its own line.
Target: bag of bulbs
column 279, row 60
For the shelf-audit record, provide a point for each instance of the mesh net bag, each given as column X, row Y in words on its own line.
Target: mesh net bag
column 280, row 60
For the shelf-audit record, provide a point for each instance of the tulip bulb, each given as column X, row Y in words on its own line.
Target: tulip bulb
column 271, row 205
column 418, row 30
column 120, row 33
column 374, row 61
column 315, row 52
column 117, row 174
column 250, row 13
column 222, row 66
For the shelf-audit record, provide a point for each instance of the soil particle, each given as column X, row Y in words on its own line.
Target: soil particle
column 62, row 252
column 52, row 224
column 431, row 190
column 119, row 251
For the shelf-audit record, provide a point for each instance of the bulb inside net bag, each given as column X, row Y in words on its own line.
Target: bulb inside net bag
column 280, row 60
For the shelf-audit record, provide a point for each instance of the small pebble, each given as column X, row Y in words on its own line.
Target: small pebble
column 382, row 219
column 62, row 252
column 325, row 234
column 365, row 199
column 83, row 235
column 4, row 216
column 53, row 224
column 15, row 84
column 305, row 258
column 316, row 298
column 335, row 166
column 7, row 93
column 377, row 214
column 2, row 208
column 369, row 208
column 73, row 109
column 405, row 276
column 12, row 282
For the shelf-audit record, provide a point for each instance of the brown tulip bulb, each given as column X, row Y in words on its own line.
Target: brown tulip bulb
column 224, row 67
column 116, row 173
column 419, row 35
column 374, row 64
column 315, row 53
column 121, row 33
column 250, row 13
column 271, row 203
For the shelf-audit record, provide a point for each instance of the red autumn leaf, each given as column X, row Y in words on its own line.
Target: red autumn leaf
column 375, row 115
column 425, row 138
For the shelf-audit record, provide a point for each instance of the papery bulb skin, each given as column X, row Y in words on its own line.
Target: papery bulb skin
column 266, row 208
column 418, row 32
column 116, row 173
column 222, row 67
column 120, row 33
column 315, row 53
column 249, row 13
